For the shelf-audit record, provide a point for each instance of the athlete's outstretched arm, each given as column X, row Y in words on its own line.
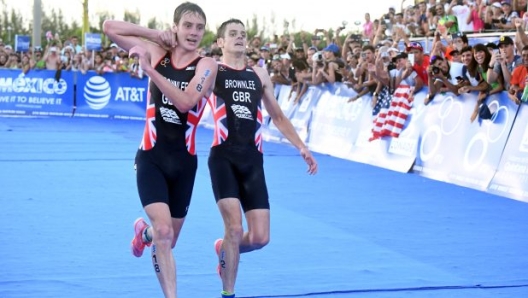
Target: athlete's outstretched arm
column 282, row 122
column 127, row 35
column 200, row 86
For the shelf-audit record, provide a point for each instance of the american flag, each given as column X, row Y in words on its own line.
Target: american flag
column 193, row 119
column 390, row 121
column 149, row 134
column 218, row 109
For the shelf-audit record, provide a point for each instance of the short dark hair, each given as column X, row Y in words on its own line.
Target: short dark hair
column 221, row 30
column 466, row 49
column 368, row 47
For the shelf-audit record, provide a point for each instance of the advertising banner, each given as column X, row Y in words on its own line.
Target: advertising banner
column 270, row 132
column 394, row 150
column 93, row 41
column 22, row 43
column 454, row 149
column 335, row 123
column 511, row 178
column 302, row 111
column 112, row 95
column 36, row 93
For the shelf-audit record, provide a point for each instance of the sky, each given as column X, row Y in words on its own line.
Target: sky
column 308, row 16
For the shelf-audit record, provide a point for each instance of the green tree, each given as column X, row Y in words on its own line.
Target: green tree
column 252, row 28
column 132, row 17
column 153, row 23
column 11, row 24
column 208, row 38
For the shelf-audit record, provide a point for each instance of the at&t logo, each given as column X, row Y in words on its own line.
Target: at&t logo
column 97, row 92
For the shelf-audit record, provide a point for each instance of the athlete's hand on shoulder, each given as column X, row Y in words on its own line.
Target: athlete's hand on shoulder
column 167, row 39
column 310, row 160
column 143, row 55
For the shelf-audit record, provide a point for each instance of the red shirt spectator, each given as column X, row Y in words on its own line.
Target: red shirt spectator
column 421, row 60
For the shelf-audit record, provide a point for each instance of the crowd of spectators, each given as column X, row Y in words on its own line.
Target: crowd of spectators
column 382, row 57
column 387, row 56
column 68, row 54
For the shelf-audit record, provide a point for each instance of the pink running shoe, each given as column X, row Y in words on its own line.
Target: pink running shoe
column 137, row 242
column 218, row 247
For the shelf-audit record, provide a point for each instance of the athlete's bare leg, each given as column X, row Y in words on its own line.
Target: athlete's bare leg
column 230, row 252
column 258, row 233
column 165, row 232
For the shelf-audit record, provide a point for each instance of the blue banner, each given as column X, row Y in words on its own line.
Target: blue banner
column 335, row 123
column 511, row 178
column 112, row 95
column 302, row 112
column 93, row 41
column 36, row 93
column 22, row 43
column 454, row 150
column 396, row 152
column 270, row 132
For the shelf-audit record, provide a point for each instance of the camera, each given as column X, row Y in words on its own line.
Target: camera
column 318, row 58
column 436, row 70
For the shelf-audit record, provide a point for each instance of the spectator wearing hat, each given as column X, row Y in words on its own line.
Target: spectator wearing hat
column 421, row 61
column 493, row 16
column 518, row 80
column 503, row 62
column 52, row 57
column 507, row 17
column 37, row 61
column 280, row 73
column 331, row 70
column 404, row 74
